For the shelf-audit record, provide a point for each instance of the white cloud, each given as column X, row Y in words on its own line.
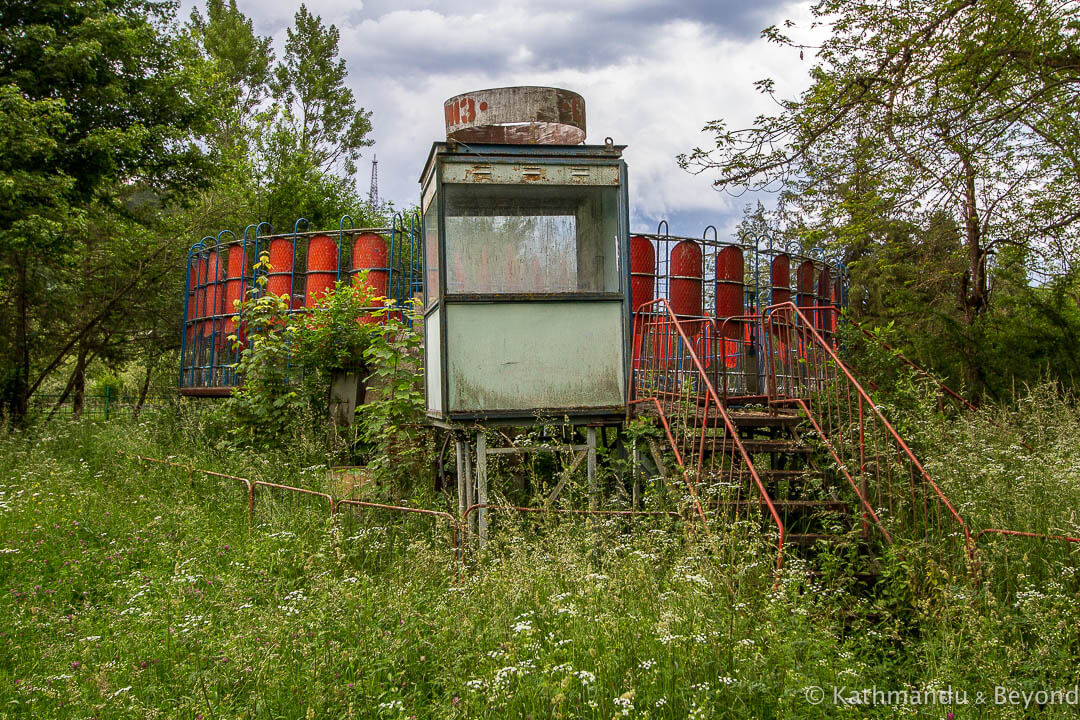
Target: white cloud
column 650, row 79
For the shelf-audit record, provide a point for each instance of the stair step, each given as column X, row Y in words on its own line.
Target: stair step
column 769, row 476
column 763, row 419
column 755, row 447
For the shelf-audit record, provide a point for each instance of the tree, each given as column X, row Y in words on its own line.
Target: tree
column 238, row 63
column 317, row 111
column 960, row 108
column 96, row 105
column 290, row 133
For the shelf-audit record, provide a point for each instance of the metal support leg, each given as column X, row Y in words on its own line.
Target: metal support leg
column 482, row 484
column 590, row 435
column 470, row 495
column 635, row 493
column 459, row 449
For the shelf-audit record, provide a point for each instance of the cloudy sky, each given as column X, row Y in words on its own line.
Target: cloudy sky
column 652, row 74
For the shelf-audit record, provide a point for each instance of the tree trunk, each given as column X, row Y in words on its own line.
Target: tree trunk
column 63, row 397
column 975, row 298
column 80, row 382
column 145, row 385
column 974, row 290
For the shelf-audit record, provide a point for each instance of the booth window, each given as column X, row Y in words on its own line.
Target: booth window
column 431, row 253
column 504, row 239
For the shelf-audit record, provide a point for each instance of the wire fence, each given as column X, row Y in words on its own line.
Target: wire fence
column 104, row 406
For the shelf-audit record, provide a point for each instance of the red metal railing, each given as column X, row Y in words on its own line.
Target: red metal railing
column 802, row 369
column 1023, row 534
column 669, row 374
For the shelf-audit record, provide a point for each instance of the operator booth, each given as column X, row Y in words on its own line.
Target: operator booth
column 526, row 279
column 526, row 305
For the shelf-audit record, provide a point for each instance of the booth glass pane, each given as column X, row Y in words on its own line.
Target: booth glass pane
column 433, row 363
column 531, row 239
column 520, row 357
column 431, row 254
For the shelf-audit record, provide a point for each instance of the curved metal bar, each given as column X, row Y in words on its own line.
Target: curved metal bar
column 184, row 321
column 255, row 259
column 454, row 526
column 705, row 233
column 292, row 271
column 663, row 224
column 214, row 313
column 397, row 229
column 341, row 241
column 304, row 491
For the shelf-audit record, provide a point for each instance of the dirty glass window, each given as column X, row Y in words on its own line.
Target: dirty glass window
column 531, row 239
column 431, row 254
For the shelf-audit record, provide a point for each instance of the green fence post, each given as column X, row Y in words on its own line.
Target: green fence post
column 107, row 388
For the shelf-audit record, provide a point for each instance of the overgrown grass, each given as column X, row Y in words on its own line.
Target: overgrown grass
column 130, row 591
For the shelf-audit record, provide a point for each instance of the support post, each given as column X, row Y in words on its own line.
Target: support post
column 590, row 440
column 459, row 451
column 481, row 485
column 470, row 494
column 635, row 492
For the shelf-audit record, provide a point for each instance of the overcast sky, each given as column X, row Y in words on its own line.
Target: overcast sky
column 652, row 74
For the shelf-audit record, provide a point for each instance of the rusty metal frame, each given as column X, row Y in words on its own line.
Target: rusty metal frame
column 1024, row 534
column 816, row 357
column 658, row 327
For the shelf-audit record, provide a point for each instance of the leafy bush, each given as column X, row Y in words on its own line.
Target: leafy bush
column 265, row 404
column 288, row 361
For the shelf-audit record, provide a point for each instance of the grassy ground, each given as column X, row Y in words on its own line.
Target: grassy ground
column 129, row 591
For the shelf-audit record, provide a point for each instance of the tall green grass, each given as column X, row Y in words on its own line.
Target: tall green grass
column 131, row 591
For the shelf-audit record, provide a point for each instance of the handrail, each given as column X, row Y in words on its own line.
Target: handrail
column 1025, row 534
column 808, row 327
column 923, row 372
column 915, row 366
column 719, row 406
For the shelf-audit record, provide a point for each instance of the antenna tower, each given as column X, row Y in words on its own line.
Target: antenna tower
column 373, row 192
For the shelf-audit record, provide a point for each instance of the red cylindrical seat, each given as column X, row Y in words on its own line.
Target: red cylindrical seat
column 642, row 271
column 370, row 253
column 729, row 300
column 684, row 287
column 729, row 282
column 234, row 288
column 826, row 319
column 685, row 281
column 804, row 283
column 280, row 278
column 322, row 266
column 781, row 279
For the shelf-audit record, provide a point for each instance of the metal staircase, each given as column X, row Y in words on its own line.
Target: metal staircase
column 769, row 429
